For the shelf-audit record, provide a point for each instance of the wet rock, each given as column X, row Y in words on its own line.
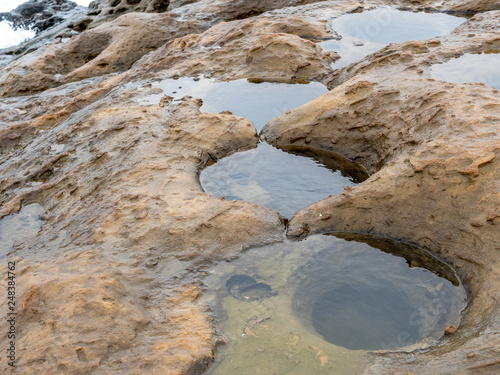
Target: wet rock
column 93, row 259
column 417, row 138
column 39, row 14
column 246, row 288
column 112, row 47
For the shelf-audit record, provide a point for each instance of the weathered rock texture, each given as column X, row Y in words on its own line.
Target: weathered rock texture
column 125, row 215
column 107, row 48
column 432, row 149
column 271, row 48
column 111, row 283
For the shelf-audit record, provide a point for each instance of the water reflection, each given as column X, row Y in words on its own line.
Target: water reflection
column 19, row 226
column 360, row 298
column 367, row 32
column 278, row 180
column 470, row 68
column 317, row 305
column 259, row 102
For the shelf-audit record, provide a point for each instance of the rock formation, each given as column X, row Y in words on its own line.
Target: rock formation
column 111, row 283
column 39, row 15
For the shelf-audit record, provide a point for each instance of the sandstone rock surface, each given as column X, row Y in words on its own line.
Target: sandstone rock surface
column 127, row 232
column 107, row 48
column 432, row 149
column 111, row 283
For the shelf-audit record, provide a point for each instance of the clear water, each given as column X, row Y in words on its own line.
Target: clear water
column 317, row 305
column 19, row 226
column 369, row 31
column 259, row 102
column 363, row 299
column 278, row 180
column 470, row 68
column 264, row 176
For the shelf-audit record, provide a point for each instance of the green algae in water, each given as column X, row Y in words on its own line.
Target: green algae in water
column 369, row 31
column 19, row 226
column 291, row 331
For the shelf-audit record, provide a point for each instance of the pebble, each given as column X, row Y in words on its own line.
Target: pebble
column 450, row 330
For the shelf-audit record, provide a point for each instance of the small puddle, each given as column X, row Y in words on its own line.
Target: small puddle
column 369, row 31
column 19, row 226
column 318, row 305
column 279, row 180
column 259, row 102
column 470, row 68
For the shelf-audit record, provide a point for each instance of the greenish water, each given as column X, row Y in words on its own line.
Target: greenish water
column 318, row 305
column 369, row 31
column 19, row 226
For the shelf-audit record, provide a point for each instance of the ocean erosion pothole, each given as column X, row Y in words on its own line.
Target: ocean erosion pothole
column 362, row 33
column 266, row 176
column 318, row 305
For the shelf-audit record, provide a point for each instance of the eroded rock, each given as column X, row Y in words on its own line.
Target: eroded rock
column 113, row 47
column 125, row 281
column 266, row 48
column 111, row 283
column 432, row 149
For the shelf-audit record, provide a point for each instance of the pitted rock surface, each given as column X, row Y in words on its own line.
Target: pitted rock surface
column 111, row 284
column 432, row 149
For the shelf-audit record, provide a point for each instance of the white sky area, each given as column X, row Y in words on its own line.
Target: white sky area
column 9, row 37
column 8, row 5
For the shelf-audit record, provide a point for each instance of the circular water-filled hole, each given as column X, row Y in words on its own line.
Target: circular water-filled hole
column 361, row 298
column 282, row 180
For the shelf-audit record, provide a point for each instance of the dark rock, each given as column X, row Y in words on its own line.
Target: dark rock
column 39, row 15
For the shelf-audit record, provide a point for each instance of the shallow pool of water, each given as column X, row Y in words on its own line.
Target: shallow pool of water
column 318, row 305
column 369, row 31
column 19, row 226
column 264, row 176
column 278, row 180
column 470, row 68
column 259, row 102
